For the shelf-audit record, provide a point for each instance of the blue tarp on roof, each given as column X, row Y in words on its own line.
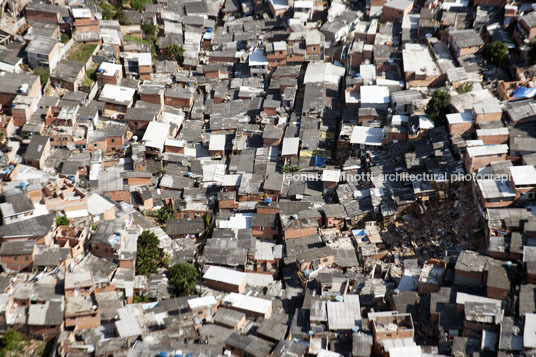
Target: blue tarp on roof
column 320, row 161
column 358, row 232
column 524, row 92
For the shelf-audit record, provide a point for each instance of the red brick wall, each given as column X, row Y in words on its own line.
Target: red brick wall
column 218, row 285
column 473, row 164
column 497, row 293
column 35, row 15
column 298, row 233
column 494, row 139
column 178, row 102
column 17, row 262
column 459, row 129
column 482, row 118
column 394, row 15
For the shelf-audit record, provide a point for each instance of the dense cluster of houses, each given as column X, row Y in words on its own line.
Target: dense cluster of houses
column 288, row 141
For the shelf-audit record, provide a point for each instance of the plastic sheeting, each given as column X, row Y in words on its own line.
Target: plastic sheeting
column 524, row 92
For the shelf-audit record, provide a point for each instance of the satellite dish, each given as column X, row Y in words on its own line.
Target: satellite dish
column 71, row 146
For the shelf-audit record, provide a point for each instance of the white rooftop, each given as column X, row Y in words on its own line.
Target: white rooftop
column 523, row 175
column 176, row 143
column 115, row 93
column 290, row 146
column 495, row 189
column 367, row 136
column 323, row 72
column 202, row 302
column 257, row 58
column 529, row 333
column 155, row 135
column 279, row 4
column 238, row 221
column 232, row 180
column 344, row 315
column 399, row 119
column 145, row 59
column 460, row 118
column 462, row 298
column 374, row 95
column 331, row 175
column 486, row 150
column 417, row 59
column 248, row 303
column 224, row 275
column 109, row 69
column 491, row 131
column 81, row 12
column 487, row 105
column 303, row 4
column 425, row 123
column 217, row 142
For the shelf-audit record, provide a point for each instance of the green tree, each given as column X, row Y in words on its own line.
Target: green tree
column 121, row 17
column 149, row 31
column 107, row 10
column 497, row 53
column 149, row 256
column 165, row 214
column 175, row 52
column 465, row 88
column 438, row 107
column 183, row 277
column 43, row 74
column 62, row 221
column 138, row 5
column 11, row 341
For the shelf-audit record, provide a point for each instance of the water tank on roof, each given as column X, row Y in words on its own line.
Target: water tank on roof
column 163, row 354
column 355, row 329
column 268, row 200
column 339, row 298
column 23, row 88
column 294, row 216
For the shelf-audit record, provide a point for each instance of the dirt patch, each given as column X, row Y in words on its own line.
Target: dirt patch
column 428, row 230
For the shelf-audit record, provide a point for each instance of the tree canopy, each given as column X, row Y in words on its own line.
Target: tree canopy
column 465, row 88
column 43, row 74
column 183, row 277
column 62, row 221
column 497, row 53
column 138, row 5
column 175, row 52
column 149, row 256
column 149, row 31
column 10, row 342
column 164, row 214
column 438, row 107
